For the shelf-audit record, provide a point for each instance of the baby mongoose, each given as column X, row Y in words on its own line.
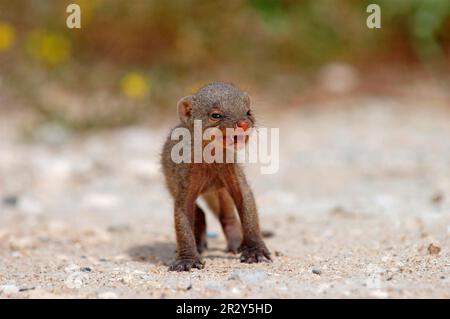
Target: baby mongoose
column 222, row 185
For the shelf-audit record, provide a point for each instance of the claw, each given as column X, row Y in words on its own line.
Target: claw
column 252, row 255
column 186, row 264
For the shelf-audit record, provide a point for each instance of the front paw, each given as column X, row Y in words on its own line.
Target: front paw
column 233, row 247
column 186, row 264
column 255, row 254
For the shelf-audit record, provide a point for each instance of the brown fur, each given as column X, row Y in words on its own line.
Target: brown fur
column 223, row 186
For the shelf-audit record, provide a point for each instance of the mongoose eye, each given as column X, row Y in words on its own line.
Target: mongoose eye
column 216, row 116
column 249, row 113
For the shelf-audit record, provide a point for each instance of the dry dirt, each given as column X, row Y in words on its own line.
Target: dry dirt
column 362, row 192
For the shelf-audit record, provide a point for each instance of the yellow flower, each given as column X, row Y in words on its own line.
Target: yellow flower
column 48, row 47
column 135, row 86
column 7, row 36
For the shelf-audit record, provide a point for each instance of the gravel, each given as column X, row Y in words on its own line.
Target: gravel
column 352, row 196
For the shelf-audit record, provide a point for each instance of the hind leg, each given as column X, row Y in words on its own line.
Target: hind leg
column 200, row 229
column 222, row 205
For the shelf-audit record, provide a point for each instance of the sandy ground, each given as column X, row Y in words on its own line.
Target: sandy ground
column 362, row 192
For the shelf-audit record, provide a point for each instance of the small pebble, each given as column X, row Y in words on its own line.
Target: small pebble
column 127, row 279
column 437, row 198
column 316, row 271
column 267, row 233
column 434, row 249
column 76, row 280
column 86, row 269
column 11, row 200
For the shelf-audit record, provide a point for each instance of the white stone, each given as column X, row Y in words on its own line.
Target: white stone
column 9, row 289
column 72, row 268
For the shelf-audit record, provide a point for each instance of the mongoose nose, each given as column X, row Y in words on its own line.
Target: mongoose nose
column 243, row 125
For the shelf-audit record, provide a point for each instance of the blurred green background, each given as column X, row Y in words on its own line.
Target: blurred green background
column 130, row 57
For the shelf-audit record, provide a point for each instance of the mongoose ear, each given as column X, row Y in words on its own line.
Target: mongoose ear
column 185, row 108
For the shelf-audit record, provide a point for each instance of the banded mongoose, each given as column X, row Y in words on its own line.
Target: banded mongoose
column 222, row 185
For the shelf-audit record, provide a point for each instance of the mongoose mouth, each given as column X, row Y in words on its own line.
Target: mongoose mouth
column 236, row 141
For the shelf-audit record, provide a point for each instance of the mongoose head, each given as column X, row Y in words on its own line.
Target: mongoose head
column 220, row 105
